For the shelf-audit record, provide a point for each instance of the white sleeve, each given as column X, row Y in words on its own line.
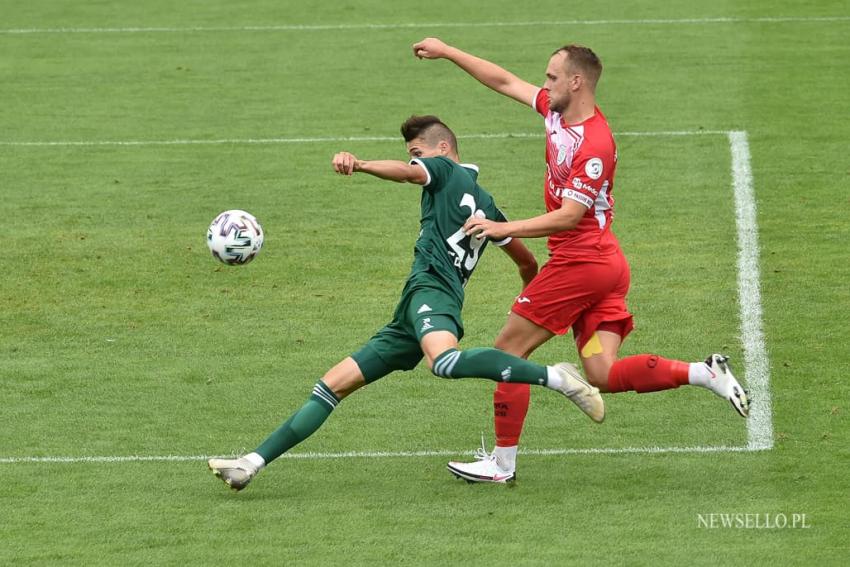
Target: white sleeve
column 420, row 163
column 534, row 99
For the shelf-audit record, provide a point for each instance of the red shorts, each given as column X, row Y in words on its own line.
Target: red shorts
column 579, row 293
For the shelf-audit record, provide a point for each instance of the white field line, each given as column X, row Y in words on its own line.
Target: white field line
column 760, row 422
column 319, row 140
column 428, row 25
column 378, row 454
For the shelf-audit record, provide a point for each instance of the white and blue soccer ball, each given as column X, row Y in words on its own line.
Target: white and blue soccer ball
column 235, row 237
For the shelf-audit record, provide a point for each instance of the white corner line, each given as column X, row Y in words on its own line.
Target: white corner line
column 760, row 421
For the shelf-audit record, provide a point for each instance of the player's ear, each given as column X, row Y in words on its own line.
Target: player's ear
column 444, row 148
column 577, row 81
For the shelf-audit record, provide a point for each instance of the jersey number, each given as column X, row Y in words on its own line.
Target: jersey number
column 467, row 256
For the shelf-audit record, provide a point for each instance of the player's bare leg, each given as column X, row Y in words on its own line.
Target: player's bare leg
column 520, row 336
column 339, row 382
column 597, row 357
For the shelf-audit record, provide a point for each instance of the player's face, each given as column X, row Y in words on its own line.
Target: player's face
column 417, row 147
column 559, row 83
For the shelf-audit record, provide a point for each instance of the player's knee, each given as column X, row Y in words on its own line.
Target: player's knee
column 598, row 355
column 344, row 378
column 342, row 389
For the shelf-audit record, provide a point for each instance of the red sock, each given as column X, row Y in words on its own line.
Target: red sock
column 647, row 373
column 510, row 404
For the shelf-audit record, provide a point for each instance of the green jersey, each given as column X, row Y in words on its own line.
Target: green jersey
column 450, row 197
column 443, row 260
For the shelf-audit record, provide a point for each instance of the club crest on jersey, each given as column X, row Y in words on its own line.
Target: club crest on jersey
column 593, row 168
column 562, row 153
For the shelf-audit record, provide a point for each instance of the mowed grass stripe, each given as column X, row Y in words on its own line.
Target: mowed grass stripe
column 423, row 25
column 378, row 454
column 329, row 139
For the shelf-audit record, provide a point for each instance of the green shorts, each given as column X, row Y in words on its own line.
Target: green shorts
column 420, row 311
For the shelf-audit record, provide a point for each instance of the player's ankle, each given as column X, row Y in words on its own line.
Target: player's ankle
column 699, row 374
column 506, row 457
column 255, row 460
column 554, row 379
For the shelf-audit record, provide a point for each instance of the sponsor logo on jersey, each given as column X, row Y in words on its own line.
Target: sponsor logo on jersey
column 580, row 197
column 593, row 168
column 424, row 309
column 523, row 299
column 579, row 184
column 426, row 324
column 506, row 374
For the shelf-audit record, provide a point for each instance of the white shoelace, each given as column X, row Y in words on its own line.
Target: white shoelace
column 481, row 453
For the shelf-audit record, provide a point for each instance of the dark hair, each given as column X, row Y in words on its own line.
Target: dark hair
column 583, row 60
column 429, row 128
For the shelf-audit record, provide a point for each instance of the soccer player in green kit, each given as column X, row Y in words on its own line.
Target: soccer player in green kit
column 427, row 321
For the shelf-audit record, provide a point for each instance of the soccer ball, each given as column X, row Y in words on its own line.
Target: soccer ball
column 235, row 237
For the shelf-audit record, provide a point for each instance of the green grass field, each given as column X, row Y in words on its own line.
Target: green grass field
column 121, row 337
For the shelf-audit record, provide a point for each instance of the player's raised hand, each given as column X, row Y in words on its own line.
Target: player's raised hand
column 430, row 48
column 344, row 163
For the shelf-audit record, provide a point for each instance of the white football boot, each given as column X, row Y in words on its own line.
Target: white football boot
column 724, row 384
column 582, row 394
column 236, row 473
column 485, row 468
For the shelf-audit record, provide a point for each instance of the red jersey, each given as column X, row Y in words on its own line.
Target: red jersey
column 580, row 163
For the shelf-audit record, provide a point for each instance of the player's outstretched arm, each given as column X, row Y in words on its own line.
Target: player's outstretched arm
column 523, row 258
column 346, row 163
column 489, row 74
column 565, row 218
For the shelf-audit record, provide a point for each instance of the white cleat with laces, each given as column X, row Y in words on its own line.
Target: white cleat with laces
column 724, row 384
column 485, row 468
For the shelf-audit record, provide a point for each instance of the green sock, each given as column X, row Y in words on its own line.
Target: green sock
column 301, row 424
column 489, row 363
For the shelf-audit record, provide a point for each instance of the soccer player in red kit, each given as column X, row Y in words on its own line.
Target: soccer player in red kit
column 584, row 284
